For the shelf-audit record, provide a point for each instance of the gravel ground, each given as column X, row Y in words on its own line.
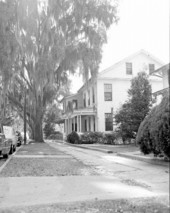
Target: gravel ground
column 139, row 205
column 38, row 149
column 18, row 167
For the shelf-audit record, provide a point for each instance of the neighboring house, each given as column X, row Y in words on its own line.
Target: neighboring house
column 93, row 107
column 164, row 73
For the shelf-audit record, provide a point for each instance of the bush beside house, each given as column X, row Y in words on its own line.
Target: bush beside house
column 154, row 132
column 73, row 138
column 93, row 137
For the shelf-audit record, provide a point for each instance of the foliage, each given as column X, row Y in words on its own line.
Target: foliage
column 133, row 111
column 73, row 137
column 49, row 129
column 110, row 138
column 87, row 137
column 49, row 40
column 50, row 118
column 154, row 132
column 56, row 136
column 97, row 137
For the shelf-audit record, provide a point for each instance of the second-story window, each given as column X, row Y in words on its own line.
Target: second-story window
column 75, row 105
column 88, row 97
column 129, row 68
column 108, row 92
column 84, row 99
column 151, row 68
column 93, row 95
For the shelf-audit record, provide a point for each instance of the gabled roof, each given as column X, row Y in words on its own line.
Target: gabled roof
column 68, row 96
column 129, row 58
column 90, row 81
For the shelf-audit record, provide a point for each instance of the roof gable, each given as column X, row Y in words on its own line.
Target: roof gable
column 129, row 58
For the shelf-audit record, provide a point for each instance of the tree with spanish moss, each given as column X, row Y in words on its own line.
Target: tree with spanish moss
column 54, row 38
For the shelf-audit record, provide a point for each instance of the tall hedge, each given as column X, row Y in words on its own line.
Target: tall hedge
column 134, row 110
column 154, row 132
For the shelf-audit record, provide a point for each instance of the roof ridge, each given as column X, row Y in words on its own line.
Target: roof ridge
column 131, row 56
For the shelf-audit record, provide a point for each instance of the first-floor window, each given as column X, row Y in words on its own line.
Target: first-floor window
column 89, row 123
column 108, row 122
column 85, row 125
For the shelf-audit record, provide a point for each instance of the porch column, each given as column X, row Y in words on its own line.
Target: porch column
column 80, row 123
column 74, row 124
column 65, row 127
column 87, row 119
column 92, row 123
column 68, row 126
column 78, row 129
column 71, row 124
column 96, row 124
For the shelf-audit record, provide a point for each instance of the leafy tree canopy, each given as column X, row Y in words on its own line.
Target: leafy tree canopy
column 136, row 108
column 48, row 40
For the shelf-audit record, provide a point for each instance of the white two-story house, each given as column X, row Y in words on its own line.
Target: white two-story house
column 93, row 107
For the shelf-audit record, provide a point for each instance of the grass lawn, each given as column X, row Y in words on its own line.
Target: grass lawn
column 38, row 149
column 139, row 205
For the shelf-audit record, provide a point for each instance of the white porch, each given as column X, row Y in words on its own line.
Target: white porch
column 80, row 121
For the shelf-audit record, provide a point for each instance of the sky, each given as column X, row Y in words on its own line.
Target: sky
column 143, row 24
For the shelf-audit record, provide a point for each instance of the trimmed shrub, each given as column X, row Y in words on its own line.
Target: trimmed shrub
column 73, row 137
column 97, row 137
column 154, row 132
column 87, row 138
column 109, row 138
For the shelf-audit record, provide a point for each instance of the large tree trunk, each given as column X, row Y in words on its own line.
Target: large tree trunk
column 38, row 132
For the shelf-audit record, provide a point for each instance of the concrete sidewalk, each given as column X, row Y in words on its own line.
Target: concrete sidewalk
column 136, row 155
column 25, row 191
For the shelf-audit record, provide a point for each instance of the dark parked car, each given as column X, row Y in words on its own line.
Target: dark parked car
column 5, row 146
column 19, row 138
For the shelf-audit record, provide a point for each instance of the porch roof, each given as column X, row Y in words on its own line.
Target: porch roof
column 161, row 92
column 159, row 71
column 76, row 112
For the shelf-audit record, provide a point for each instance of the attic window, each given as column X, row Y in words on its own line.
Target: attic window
column 128, row 68
column 151, row 68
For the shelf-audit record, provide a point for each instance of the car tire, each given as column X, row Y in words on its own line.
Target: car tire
column 11, row 150
column 14, row 148
column 5, row 156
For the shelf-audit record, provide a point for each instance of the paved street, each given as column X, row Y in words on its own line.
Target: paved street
column 105, row 177
column 132, row 172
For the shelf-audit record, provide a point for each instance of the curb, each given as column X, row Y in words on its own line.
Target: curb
column 151, row 161
column 133, row 157
column 90, row 148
